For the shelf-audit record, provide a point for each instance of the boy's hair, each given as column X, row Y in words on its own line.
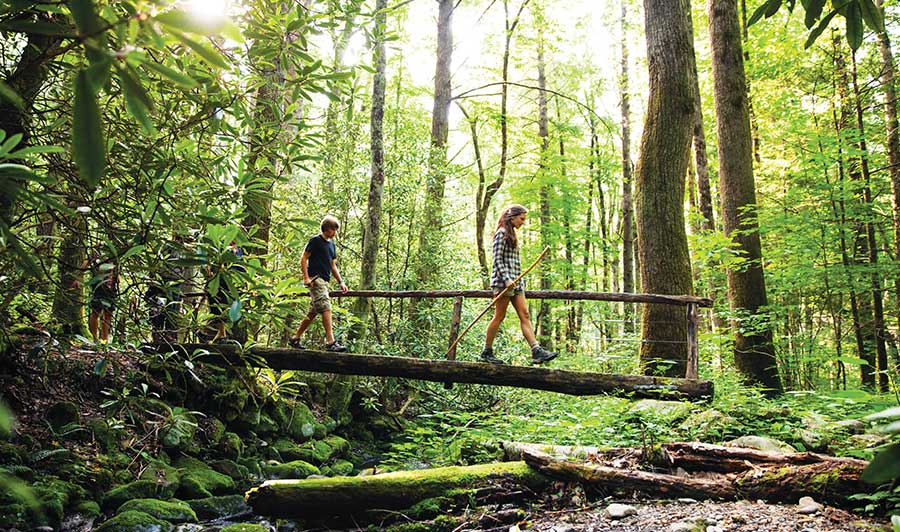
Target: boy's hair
column 330, row 222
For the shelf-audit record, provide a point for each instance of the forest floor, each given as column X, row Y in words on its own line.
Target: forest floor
column 34, row 385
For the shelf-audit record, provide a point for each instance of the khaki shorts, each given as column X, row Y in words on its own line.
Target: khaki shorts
column 318, row 294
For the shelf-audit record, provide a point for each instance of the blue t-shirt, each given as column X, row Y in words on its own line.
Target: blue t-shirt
column 321, row 253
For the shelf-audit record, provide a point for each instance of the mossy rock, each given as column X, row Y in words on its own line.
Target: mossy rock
column 252, row 466
column 231, row 446
column 441, row 523
column 190, row 463
column 55, row 496
column 245, row 527
column 103, row 433
column 761, row 443
column 339, row 446
column 174, row 511
column 293, row 469
column 133, row 521
column 265, row 425
column 296, row 419
column 668, row 410
column 203, row 483
column 218, row 507
column 178, row 434
column 708, row 425
column 61, row 414
column 231, row 401
column 341, row 468
column 213, row 430
column 87, row 508
column 231, row 468
column 340, row 393
column 139, row 489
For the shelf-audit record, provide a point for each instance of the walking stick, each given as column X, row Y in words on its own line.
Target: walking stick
column 498, row 296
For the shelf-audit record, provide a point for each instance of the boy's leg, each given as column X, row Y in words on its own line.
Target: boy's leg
column 105, row 325
column 307, row 321
column 327, row 325
column 93, row 324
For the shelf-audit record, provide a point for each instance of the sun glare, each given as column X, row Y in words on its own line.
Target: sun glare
column 207, row 10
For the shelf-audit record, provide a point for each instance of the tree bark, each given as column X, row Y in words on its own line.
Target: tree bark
column 372, row 229
column 568, row 382
column 754, row 351
column 544, row 327
column 68, row 300
column 627, row 205
column 665, row 149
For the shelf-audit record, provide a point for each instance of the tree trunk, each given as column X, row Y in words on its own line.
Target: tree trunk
column 544, row 327
column 429, row 238
column 439, row 370
column 68, row 300
column 754, row 351
column 665, row 149
column 627, row 212
column 754, row 128
column 872, row 255
column 372, row 229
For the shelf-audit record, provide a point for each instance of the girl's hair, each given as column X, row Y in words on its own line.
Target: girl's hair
column 505, row 223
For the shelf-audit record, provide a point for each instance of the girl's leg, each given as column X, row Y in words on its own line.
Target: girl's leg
column 518, row 302
column 94, row 325
column 494, row 326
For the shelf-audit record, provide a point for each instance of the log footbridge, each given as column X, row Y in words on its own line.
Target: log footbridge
column 450, row 370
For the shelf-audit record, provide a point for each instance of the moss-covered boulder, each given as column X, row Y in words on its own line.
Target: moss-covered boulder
column 139, row 489
column 708, row 425
column 231, row 400
column 173, row 510
column 762, row 443
column 292, row 469
column 338, row 469
column 236, row 471
column 212, row 430
column 61, row 414
column 177, row 434
column 88, row 509
column 245, row 527
column 203, row 483
column 295, row 419
column 103, row 433
column 218, row 507
column 668, row 410
column 265, row 425
column 340, row 392
column 252, row 465
column 231, row 446
column 132, row 521
column 55, row 497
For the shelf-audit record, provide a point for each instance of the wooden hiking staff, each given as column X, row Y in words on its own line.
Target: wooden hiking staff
column 498, row 296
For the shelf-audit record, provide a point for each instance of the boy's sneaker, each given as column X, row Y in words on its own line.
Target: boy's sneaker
column 295, row 343
column 335, row 347
column 487, row 355
column 540, row 355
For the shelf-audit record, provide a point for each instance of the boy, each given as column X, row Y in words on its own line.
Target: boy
column 318, row 263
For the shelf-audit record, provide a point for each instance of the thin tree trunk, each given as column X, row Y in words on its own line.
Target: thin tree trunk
column 627, row 212
column 665, row 150
column 68, row 300
column 544, row 327
column 372, row 229
column 485, row 273
column 754, row 351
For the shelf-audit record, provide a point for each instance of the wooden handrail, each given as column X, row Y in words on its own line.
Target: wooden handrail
column 572, row 295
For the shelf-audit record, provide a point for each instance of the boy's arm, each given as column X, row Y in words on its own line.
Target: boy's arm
column 304, row 267
column 337, row 275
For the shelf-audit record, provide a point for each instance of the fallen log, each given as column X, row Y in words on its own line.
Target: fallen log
column 723, row 473
column 540, row 378
column 323, row 497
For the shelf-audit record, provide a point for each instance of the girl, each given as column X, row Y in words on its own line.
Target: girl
column 507, row 267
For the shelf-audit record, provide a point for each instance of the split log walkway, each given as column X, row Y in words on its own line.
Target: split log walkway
column 540, row 378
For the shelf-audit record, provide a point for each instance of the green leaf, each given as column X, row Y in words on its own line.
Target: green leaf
column 16, row 6
column 768, row 9
column 813, row 12
column 136, row 100
column 873, row 16
column 814, row 34
column 213, row 287
column 10, row 143
column 37, row 27
column 182, row 20
column 208, row 54
column 85, row 17
column 7, row 93
column 35, row 150
column 172, row 75
column 98, row 73
column 854, row 25
column 234, row 313
column 885, row 467
column 87, row 133
column 133, row 251
column 19, row 172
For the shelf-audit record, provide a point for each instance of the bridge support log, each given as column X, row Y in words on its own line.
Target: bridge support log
column 540, row 378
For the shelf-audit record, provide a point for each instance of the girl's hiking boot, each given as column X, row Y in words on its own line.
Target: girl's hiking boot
column 540, row 355
column 335, row 347
column 295, row 343
column 487, row 355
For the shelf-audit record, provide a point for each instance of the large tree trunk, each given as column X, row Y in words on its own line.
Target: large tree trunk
column 68, row 300
column 371, row 231
column 754, row 351
column 439, row 370
column 665, row 149
column 627, row 207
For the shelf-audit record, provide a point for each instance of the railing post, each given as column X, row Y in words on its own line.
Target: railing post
column 693, row 322
column 454, row 332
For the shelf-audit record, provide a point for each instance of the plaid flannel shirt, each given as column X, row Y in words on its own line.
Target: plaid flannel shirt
column 507, row 265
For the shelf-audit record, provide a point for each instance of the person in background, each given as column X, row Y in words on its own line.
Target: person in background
column 318, row 264
column 103, row 290
column 507, row 268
